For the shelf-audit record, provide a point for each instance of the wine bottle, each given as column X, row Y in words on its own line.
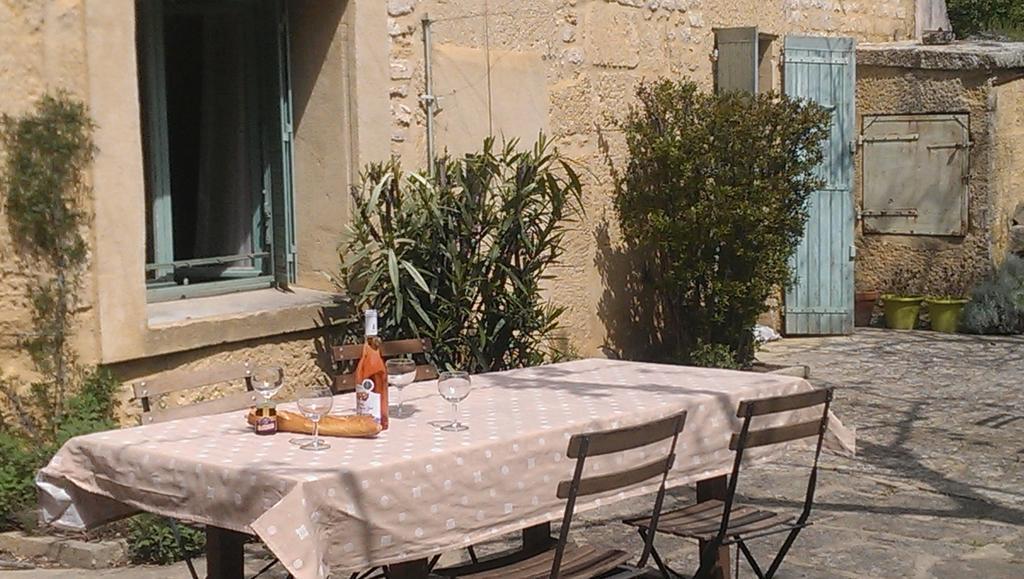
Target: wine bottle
column 372, row 375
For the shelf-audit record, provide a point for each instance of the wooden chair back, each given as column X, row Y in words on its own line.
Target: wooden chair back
column 345, row 358
column 618, row 440
column 146, row 391
column 748, row 437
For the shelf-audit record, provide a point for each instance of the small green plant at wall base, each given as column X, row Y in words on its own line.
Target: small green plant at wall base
column 460, row 256
column 714, row 356
column 151, row 541
column 712, row 204
column 46, row 153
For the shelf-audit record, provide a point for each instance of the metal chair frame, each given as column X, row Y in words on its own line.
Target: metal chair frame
column 749, row 409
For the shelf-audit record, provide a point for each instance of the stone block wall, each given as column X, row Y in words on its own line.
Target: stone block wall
column 984, row 82
column 586, row 56
column 593, row 55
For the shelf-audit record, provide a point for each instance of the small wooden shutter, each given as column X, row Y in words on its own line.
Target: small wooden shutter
column 736, row 66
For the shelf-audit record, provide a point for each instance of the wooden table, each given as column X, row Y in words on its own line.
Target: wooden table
column 414, row 491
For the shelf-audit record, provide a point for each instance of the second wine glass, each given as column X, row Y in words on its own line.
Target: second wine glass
column 454, row 387
column 401, row 373
column 314, row 404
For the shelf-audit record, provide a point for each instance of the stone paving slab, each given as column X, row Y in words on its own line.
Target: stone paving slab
column 936, row 491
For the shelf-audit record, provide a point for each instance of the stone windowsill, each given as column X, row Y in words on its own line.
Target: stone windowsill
column 195, row 323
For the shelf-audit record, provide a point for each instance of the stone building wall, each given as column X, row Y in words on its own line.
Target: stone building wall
column 41, row 50
column 591, row 55
column 985, row 83
column 574, row 63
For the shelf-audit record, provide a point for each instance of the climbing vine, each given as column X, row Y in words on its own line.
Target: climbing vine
column 43, row 182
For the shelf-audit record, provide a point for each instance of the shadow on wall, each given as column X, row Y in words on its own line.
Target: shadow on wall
column 314, row 24
column 626, row 307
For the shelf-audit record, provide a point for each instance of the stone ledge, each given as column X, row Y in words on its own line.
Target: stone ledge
column 66, row 552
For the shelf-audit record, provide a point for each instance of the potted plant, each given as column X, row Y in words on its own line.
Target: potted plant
column 902, row 303
column 946, row 300
column 864, row 307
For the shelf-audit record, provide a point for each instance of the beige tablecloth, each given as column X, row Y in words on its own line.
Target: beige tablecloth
column 414, row 491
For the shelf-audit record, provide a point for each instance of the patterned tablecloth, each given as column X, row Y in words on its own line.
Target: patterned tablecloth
column 415, row 490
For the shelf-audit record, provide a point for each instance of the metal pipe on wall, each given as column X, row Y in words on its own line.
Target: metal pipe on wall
column 428, row 99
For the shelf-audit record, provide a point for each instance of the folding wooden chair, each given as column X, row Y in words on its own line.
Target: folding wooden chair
column 565, row 561
column 717, row 523
column 345, row 358
column 151, row 395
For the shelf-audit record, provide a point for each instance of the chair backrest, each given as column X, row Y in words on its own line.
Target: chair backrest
column 345, row 357
column 177, row 381
column 582, row 446
column 749, row 437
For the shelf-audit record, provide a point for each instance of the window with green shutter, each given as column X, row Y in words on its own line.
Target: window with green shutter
column 217, row 129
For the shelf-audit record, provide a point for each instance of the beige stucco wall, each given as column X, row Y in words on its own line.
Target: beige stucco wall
column 1008, row 181
column 995, row 176
column 41, row 49
column 592, row 55
column 357, row 76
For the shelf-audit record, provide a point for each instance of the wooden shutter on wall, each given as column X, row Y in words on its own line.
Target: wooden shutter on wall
column 820, row 302
column 736, row 65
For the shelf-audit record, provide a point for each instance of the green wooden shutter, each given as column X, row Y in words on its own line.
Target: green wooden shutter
column 277, row 168
column 821, row 300
column 736, row 65
column 284, row 71
column 158, row 186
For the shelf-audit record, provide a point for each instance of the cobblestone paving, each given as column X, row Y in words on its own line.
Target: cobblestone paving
column 937, row 488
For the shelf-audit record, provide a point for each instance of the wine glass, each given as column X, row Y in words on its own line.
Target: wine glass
column 314, row 404
column 401, row 373
column 454, row 387
column 267, row 380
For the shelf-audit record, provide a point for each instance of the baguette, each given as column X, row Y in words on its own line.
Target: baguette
column 350, row 426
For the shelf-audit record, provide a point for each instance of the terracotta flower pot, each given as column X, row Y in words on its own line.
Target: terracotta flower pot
column 864, row 307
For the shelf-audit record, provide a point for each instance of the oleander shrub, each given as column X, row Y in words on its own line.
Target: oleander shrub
column 460, row 256
column 712, row 204
column 996, row 304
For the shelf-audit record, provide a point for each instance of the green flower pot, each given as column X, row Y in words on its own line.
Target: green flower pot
column 945, row 313
column 901, row 312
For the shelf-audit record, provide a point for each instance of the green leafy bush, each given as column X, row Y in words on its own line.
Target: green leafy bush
column 996, row 304
column 460, row 256
column 712, row 205
column 714, row 356
column 28, row 439
column 1000, row 17
column 151, row 541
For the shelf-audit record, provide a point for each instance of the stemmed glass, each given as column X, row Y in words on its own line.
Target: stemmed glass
column 267, row 380
column 401, row 373
column 314, row 404
column 454, row 387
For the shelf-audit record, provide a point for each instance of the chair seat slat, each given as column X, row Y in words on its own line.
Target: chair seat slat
column 617, row 480
column 778, row 434
column 785, row 403
column 177, row 380
column 622, row 439
column 234, row 401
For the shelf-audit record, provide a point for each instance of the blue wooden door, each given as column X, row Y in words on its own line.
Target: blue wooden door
column 820, row 302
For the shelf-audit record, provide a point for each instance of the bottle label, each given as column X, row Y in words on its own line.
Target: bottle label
column 368, row 401
column 370, row 322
